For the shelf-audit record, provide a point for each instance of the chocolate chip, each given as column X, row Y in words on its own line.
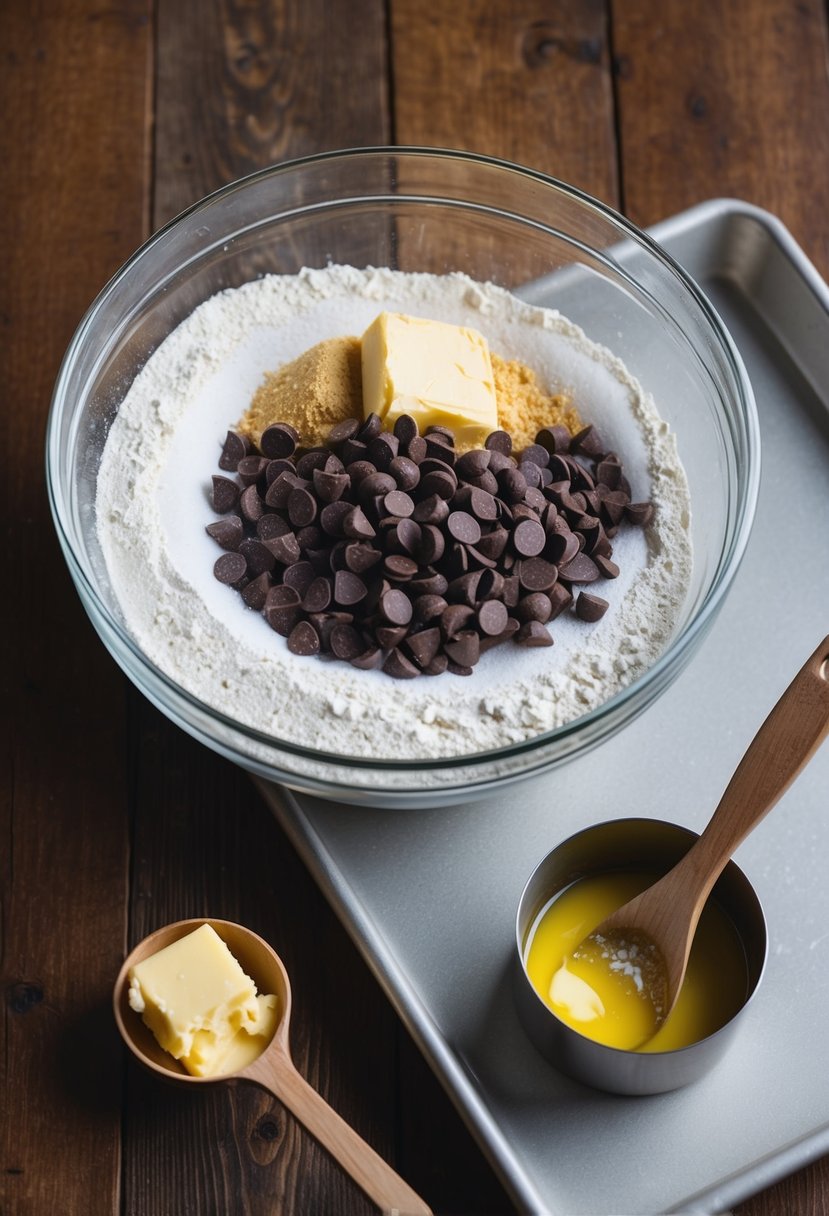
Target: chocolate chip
column 613, row 507
column 256, row 592
column 464, row 527
column 562, row 546
column 590, row 607
column 346, row 642
column 473, row 463
column 282, row 609
column 279, row 491
column 416, row 449
column 512, row 484
column 455, row 618
column 259, row 558
column 330, row 487
column 369, row 659
column 487, row 643
column 284, row 548
column 609, row 473
column 317, row 595
column 431, row 510
column 492, row 617
column 398, row 666
column 299, row 576
column 441, row 484
column 383, row 449
column 423, row 646
column 639, row 513
column 408, row 535
column 588, row 442
column 560, row 598
column 405, row 428
column 304, row 639
column 225, row 495
column 437, row 666
column 370, row 429
column 427, row 607
column 389, row 636
column 493, row 544
column 533, row 633
column 529, row 538
column 398, row 503
column 271, row 525
column 499, row 441
column 278, row 441
column 483, row 505
column 399, row 567
column 405, row 472
column 341, row 431
column 582, row 569
column 333, row 518
column 251, row 468
column 353, row 522
column 251, row 505
column 302, row 507
column 349, row 588
column 396, row 607
column 231, row 569
column 607, row 568
column 464, row 648
column 376, row 485
column 236, row 447
column 361, row 557
column 534, row 607
column 536, row 574
column 490, row 585
column 554, row 439
column 227, row 532
column 464, row 588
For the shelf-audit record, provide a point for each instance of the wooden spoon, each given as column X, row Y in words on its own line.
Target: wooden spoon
column 666, row 914
column 273, row 1070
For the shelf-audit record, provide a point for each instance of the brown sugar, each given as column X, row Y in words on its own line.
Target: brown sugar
column 313, row 392
column 524, row 407
column 323, row 386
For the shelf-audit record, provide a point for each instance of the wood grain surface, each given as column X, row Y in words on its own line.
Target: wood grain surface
column 112, row 821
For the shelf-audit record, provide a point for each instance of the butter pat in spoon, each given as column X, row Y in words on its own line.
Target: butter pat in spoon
column 187, row 1006
column 630, row 968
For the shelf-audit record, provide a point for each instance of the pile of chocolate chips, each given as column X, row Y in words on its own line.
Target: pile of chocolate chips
column 386, row 549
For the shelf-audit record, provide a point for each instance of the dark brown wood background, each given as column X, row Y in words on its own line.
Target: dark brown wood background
column 112, row 822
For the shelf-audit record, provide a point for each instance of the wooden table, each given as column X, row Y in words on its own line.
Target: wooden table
column 113, row 822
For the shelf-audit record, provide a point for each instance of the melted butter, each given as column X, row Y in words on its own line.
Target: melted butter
column 606, row 990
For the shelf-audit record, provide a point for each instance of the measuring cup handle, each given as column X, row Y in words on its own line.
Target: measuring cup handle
column 784, row 744
column 276, row 1074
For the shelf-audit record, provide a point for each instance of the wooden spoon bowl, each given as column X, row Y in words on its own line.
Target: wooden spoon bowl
column 273, row 1070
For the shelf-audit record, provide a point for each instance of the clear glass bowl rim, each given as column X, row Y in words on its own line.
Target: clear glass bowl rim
column 748, row 471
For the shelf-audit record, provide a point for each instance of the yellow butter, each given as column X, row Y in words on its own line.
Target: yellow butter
column 440, row 374
column 200, row 1005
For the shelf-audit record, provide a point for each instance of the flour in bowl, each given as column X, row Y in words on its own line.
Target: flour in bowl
column 153, row 505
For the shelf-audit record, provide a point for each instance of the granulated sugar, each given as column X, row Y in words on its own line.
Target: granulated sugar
column 153, row 505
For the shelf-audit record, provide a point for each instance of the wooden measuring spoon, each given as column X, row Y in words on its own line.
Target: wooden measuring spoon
column 666, row 914
column 273, row 1070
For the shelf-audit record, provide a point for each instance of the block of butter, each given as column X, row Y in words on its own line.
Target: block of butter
column 201, row 1006
column 441, row 374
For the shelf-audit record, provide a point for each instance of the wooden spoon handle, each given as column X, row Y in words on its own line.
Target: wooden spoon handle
column 786, row 741
column 275, row 1072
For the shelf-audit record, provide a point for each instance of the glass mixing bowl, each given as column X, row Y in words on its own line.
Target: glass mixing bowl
column 429, row 210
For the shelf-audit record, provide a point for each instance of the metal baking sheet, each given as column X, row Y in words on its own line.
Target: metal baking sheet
column 430, row 896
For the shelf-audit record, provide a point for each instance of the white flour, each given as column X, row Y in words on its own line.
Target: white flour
column 152, row 508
